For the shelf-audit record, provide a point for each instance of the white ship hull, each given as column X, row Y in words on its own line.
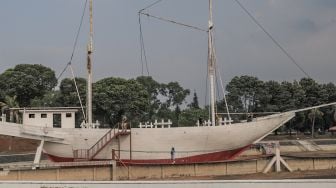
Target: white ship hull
column 153, row 145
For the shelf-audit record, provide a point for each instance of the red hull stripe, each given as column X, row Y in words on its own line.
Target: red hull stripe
column 209, row 157
column 59, row 159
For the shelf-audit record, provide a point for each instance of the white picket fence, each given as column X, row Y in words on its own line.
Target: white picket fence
column 220, row 122
column 163, row 124
column 156, row 124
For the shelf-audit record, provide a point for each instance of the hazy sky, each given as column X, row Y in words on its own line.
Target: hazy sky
column 43, row 31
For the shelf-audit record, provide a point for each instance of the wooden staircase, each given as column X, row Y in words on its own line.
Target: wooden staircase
column 89, row 154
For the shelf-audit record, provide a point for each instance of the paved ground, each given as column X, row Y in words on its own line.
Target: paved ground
column 314, row 174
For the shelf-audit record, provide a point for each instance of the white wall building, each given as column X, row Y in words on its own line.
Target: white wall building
column 49, row 117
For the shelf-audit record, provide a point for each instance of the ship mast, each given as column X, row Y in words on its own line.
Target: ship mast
column 211, row 66
column 89, row 70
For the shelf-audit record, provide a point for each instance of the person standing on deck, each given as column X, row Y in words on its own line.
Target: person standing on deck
column 172, row 154
column 124, row 124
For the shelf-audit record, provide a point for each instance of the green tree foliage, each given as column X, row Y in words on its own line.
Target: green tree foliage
column 314, row 115
column 27, row 82
column 153, row 89
column 50, row 99
column 115, row 97
column 176, row 95
column 245, row 92
column 330, row 89
column 194, row 103
column 190, row 116
column 315, row 94
column 164, row 112
column 145, row 99
column 10, row 102
column 68, row 94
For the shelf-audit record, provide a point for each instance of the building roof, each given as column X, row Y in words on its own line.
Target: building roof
column 48, row 109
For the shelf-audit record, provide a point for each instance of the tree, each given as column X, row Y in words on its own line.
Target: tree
column 272, row 100
column 313, row 115
column 27, row 82
column 68, row 95
column 115, row 97
column 164, row 112
column 330, row 89
column 314, row 93
column 246, row 91
column 176, row 95
column 190, row 116
column 153, row 89
column 50, row 99
column 10, row 102
column 194, row 103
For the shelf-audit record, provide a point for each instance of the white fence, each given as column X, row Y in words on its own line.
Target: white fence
column 163, row 124
column 156, row 124
column 220, row 122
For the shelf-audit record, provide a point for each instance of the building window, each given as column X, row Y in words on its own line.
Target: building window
column 43, row 115
column 68, row 115
column 31, row 115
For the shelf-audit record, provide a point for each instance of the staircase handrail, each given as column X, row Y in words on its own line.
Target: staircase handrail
column 96, row 148
column 102, row 138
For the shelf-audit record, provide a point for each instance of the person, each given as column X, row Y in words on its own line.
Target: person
column 172, row 154
column 124, row 123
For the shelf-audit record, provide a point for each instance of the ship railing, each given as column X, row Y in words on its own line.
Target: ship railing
column 156, row 124
column 220, row 122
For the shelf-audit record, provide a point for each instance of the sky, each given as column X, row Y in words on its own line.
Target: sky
column 43, row 32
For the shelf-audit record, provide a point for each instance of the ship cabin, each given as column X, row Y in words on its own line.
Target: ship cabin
column 56, row 117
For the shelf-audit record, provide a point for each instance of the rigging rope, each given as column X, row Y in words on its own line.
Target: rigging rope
column 223, row 90
column 143, row 56
column 78, row 95
column 151, row 5
column 174, row 22
column 76, row 40
column 206, row 92
column 220, row 79
column 69, row 64
column 272, row 38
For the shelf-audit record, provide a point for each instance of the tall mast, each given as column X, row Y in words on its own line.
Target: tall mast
column 89, row 69
column 211, row 66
